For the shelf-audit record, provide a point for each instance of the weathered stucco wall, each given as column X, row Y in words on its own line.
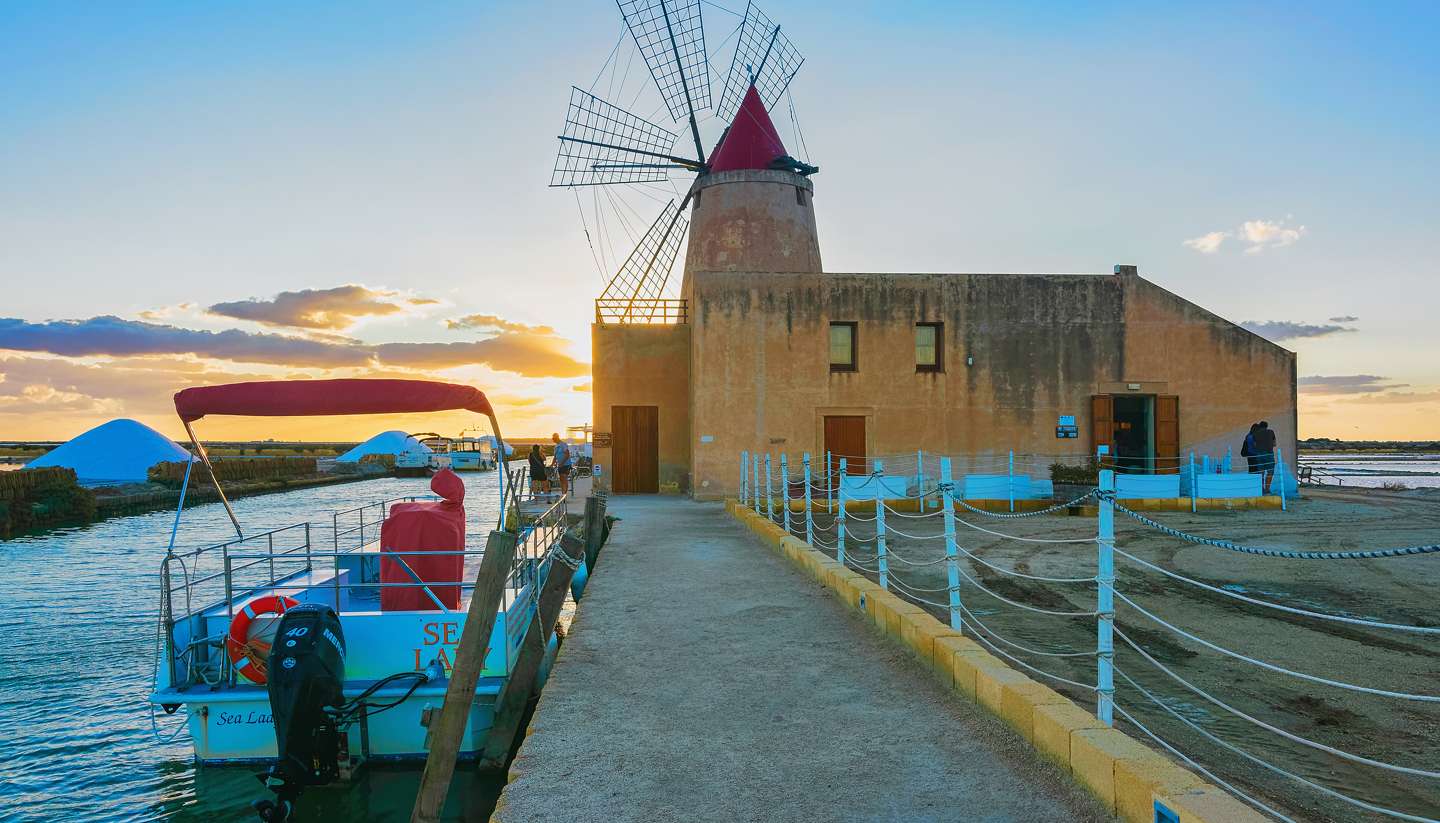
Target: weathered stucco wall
column 752, row 220
column 644, row 365
column 1019, row 350
column 1226, row 377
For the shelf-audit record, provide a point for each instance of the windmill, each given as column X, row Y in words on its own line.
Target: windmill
column 605, row 145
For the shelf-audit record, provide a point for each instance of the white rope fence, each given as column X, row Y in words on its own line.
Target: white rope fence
column 854, row 519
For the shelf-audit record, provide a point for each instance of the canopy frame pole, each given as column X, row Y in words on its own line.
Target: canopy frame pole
column 205, row 458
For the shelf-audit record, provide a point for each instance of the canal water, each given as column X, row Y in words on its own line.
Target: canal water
column 78, row 614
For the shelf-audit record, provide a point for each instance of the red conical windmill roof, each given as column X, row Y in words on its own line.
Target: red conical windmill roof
column 752, row 141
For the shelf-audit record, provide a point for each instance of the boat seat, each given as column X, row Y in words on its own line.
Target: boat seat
column 424, row 527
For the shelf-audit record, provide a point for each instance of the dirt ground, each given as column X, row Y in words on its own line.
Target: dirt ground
column 1404, row 591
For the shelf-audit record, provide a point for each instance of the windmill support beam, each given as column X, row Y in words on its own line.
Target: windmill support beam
column 694, row 165
column 684, row 84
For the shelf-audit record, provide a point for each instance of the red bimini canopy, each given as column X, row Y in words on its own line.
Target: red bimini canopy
column 751, row 142
column 309, row 398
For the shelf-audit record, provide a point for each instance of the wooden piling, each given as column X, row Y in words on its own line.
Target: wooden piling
column 594, row 529
column 448, row 730
column 520, row 685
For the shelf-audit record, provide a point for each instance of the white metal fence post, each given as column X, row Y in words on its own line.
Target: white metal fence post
column 1226, row 467
column 1012, row 480
column 829, row 486
column 881, row 561
column 1279, row 477
column 1105, row 605
column 744, row 474
column 755, row 482
column 809, row 517
column 952, row 557
column 1194, row 484
column 785, row 489
column 840, row 516
column 769, row 491
column 920, row 477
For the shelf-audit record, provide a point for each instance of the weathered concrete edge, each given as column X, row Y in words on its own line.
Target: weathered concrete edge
column 1124, row 774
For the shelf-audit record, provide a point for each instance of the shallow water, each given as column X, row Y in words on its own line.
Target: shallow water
column 78, row 614
column 1414, row 471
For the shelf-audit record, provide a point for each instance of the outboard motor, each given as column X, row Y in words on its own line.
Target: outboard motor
column 306, row 673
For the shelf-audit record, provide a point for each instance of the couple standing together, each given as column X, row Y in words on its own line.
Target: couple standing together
column 539, row 473
column 1259, row 451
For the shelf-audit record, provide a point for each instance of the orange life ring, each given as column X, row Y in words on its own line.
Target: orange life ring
column 249, row 656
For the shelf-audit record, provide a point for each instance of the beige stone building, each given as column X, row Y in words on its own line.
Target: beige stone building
column 765, row 351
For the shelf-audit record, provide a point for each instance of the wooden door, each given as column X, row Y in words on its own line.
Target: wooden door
column 1167, row 434
column 1102, row 422
column 635, row 445
column 845, row 437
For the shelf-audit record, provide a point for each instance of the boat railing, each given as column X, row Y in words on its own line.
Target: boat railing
column 360, row 526
column 225, row 574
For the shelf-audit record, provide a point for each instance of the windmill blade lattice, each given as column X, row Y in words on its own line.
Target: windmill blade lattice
column 603, row 144
column 634, row 294
column 671, row 38
column 763, row 54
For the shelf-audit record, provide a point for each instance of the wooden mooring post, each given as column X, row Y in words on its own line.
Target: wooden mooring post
column 594, row 529
column 448, row 729
column 520, row 685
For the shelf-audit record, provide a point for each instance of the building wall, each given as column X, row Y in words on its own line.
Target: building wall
column 1020, row 350
column 1231, row 377
column 644, row 365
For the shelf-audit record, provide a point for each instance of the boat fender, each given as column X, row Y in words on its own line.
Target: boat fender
column 249, row 656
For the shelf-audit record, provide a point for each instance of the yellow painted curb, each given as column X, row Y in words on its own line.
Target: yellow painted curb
column 1127, row 776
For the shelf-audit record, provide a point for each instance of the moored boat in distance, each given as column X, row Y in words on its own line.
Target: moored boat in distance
column 384, row 584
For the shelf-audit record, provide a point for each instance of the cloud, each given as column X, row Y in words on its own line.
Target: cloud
column 46, row 385
column 493, row 323
column 166, row 311
column 1269, row 234
column 1208, row 243
column 1393, row 398
column 1277, row 330
column 587, row 386
column 327, row 309
column 1345, row 318
column 1345, row 384
column 529, row 355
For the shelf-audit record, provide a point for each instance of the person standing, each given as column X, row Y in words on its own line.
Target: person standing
column 1265, row 453
column 539, row 477
column 563, row 461
column 1247, row 449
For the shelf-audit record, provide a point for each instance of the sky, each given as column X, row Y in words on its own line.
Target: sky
column 204, row 193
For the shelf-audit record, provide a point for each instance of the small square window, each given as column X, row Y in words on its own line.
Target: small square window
column 929, row 347
column 842, row 347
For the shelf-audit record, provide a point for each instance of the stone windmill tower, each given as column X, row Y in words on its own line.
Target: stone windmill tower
column 750, row 202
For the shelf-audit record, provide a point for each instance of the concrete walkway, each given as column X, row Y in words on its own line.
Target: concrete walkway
column 705, row 679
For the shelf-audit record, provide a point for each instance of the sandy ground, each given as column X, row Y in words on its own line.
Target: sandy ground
column 1404, row 591
column 705, row 679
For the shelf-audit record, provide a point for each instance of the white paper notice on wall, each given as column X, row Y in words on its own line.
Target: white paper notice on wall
column 707, row 438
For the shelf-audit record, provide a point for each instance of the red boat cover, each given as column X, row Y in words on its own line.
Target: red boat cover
column 304, row 398
column 752, row 141
column 427, row 527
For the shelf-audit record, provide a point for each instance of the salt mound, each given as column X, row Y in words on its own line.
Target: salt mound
column 120, row 451
column 391, row 442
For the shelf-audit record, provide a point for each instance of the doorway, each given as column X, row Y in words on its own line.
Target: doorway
column 635, row 441
column 1135, row 433
column 1142, row 431
column 845, row 437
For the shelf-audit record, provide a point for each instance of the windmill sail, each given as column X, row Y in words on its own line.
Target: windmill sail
column 634, row 294
column 765, row 57
column 602, row 143
column 671, row 37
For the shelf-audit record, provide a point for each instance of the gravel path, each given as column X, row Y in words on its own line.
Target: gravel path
column 705, row 679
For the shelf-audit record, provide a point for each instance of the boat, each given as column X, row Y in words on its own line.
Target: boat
column 461, row 454
column 396, row 615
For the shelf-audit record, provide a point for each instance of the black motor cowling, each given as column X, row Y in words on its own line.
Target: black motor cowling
column 306, row 674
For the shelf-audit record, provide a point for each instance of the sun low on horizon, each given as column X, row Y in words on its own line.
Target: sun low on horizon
column 195, row 196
